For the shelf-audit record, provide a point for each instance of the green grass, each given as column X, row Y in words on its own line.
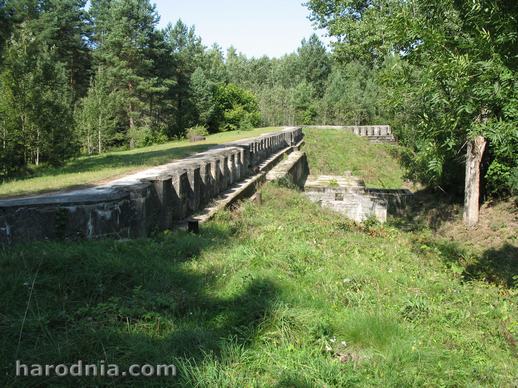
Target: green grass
column 85, row 171
column 333, row 152
column 282, row 294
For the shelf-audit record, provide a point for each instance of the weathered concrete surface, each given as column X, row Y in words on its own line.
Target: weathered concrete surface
column 245, row 188
column 346, row 195
column 349, row 196
column 375, row 133
column 138, row 204
column 397, row 200
column 294, row 169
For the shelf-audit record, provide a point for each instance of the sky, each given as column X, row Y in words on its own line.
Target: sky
column 253, row 27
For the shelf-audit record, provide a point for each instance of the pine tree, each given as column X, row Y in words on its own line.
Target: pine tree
column 125, row 50
column 314, row 63
column 186, row 53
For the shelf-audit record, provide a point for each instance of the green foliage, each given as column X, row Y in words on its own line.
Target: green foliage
column 235, row 108
column 352, row 96
column 90, row 170
column 196, row 131
column 34, row 93
column 450, row 70
column 96, row 117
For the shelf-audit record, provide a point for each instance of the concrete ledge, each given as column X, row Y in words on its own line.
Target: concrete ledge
column 349, row 196
column 152, row 199
column 294, row 168
column 240, row 191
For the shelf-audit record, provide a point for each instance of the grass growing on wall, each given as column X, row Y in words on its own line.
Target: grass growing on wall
column 332, row 152
column 90, row 170
column 282, row 294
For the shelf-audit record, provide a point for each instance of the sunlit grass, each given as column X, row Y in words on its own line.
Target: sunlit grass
column 333, row 152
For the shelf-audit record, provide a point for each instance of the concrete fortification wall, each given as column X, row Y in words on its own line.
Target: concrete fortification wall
column 375, row 133
column 136, row 205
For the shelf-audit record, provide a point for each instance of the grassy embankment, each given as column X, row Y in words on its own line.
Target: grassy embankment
column 332, row 152
column 282, row 294
column 91, row 170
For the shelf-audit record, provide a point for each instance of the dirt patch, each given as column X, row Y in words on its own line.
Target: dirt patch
column 498, row 226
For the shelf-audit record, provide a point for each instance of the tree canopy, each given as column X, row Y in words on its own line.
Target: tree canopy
column 76, row 80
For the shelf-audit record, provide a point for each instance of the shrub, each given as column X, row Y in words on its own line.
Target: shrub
column 196, row 131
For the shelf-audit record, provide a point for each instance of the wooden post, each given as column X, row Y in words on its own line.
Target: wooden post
column 476, row 148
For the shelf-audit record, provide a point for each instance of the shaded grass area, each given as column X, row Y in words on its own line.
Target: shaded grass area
column 332, row 152
column 488, row 252
column 89, row 170
column 281, row 294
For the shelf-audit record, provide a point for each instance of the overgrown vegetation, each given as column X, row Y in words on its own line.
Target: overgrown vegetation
column 115, row 80
column 333, row 152
column 440, row 73
column 281, row 294
column 448, row 71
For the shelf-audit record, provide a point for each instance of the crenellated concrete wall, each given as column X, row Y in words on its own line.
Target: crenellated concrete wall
column 375, row 133
column 138, row 204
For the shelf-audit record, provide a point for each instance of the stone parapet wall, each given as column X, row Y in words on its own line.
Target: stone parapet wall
column 138, row 204
column 375, row 133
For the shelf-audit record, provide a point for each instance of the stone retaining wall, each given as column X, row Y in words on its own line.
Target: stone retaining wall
column 348, row 195
column 139, row 204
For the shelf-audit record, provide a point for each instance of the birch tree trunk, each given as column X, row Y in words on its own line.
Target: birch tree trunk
column 476, row 148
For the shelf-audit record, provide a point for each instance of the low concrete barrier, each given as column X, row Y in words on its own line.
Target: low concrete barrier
column 294, row 169
column 138, row 204
column 375, row 133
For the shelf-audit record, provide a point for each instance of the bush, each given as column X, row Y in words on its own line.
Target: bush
column 196, row 131
column 235, row 108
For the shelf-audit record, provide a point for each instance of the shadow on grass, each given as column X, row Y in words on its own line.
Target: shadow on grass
column 124, row 302
column 497, row 266
column 427, row 209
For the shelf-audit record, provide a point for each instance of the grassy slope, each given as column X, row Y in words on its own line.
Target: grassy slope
column 92, row 169
column 263, row 296
column 333, row 152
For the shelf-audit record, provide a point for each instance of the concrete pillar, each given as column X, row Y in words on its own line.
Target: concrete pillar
column 163, row 187
column 194, row 177
column 231, row 168
column 144, row 209
column 181, row 188
column 245, row 161
column 206, row 183
column 224, row 172
column 239, row 164
column 215, row 173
